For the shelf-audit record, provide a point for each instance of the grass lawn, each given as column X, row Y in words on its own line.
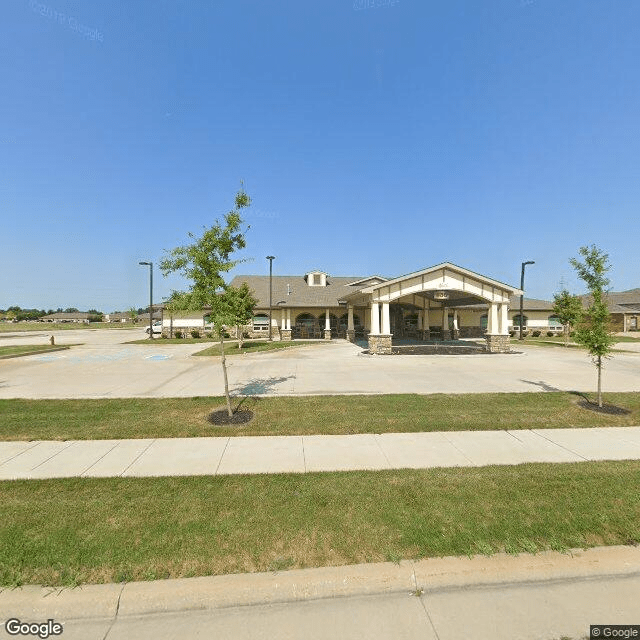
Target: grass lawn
column 186, row 417
column 101, row 530
column 7, row 327
column 230, row 347
column 27, row 349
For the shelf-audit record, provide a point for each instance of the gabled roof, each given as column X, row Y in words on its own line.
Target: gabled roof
column 298, row 293
column 450, row 266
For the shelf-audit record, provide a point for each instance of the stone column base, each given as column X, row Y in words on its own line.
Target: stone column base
column 498, row 344
column 455, row 334
column 327, row 334
column 446, row 334
column 351, row 335
column 285, row 335
column 380, row 344
column 426, row 334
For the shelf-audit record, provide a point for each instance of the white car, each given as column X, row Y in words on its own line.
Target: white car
column 157, row 327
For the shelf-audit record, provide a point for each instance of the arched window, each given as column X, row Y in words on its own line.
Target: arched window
column 306, row 320
column 554, row 322
column 516, row 320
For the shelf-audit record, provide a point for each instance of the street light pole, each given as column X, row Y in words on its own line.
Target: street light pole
column 524, row 264
column 270, row 259
column 150, row 265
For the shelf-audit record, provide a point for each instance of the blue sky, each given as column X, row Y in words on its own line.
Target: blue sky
column 374, row 136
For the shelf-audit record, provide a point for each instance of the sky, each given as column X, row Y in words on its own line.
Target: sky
column 373, row 136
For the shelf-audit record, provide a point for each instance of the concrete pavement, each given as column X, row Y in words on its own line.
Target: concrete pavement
column 104, row 367
column 301, row 454
column 526, row 597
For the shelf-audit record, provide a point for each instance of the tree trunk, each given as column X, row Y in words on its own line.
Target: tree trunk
column 239, row 336
column 171, row 325
column 224, row 372
column 566, row 335
column 599, row 381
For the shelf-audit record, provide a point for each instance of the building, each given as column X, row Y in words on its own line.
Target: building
column 442, row 302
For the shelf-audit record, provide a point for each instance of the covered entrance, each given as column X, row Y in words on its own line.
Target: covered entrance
column 444, row 302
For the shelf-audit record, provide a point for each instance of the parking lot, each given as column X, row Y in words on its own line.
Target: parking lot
column 104, row 366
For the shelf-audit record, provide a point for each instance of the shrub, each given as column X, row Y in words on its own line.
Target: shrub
column 550, row 333
column 536, row 334
column 195, row 333
column 209, row 334
column 178, row 334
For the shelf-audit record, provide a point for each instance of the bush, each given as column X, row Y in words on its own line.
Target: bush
column 572, row 333
column 209, row 334
column 536, row 334
column 178, row 334
column 195, row 333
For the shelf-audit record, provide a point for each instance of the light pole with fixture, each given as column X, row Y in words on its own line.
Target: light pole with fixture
column 150, row 265
column 270, row 259
column 524, row 264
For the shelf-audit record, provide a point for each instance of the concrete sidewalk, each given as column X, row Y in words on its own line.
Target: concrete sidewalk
column 300, row 454
column 528, row 597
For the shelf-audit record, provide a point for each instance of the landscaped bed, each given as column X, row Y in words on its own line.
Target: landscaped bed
column 17, row 350
column 102, row 530
column 189, row 417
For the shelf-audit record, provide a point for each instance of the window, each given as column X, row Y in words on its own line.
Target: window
column 261, row 322
column 516, row 321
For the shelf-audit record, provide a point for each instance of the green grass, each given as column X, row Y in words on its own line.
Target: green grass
column 75, row 531
column 27, row 349
column 187, row 417
column 230, row 347
column 7, row 327
column 253, row 346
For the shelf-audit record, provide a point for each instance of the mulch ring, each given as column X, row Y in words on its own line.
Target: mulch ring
column 221, row 417
column 609, row 409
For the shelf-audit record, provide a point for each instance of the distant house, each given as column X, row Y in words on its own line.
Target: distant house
column 119, row 317
column 77, row 316
column 624, row 307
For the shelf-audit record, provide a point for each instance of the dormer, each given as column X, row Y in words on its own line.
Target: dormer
column 316, row 279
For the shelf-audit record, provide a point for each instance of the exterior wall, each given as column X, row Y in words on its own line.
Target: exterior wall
column 536, row 320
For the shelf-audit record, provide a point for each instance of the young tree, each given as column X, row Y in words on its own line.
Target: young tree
column 242, row 304
column 133, row 315
column 568, row 309
column 203, row 263
column 593, row 329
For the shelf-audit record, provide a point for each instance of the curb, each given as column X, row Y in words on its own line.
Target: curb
column 411, row 577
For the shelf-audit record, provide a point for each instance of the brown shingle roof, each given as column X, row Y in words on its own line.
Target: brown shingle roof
column 299, row 294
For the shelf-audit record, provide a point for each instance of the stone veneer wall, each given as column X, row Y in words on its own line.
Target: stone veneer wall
column 380, row 344
column 498, row 344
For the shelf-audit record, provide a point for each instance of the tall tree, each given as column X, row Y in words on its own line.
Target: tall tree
column 593, row 330
column 568, row 309
column 204, row 263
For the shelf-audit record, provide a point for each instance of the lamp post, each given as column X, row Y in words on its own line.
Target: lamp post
column 150, row 265
column 270, row 259
column 524, row 264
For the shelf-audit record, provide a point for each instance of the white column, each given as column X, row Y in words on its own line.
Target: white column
column 455, row 320
column 375, row 318
column 492, row 320
column 445, row 318
column 420, row 319
column 350, row 318
column 426, row 323
column 504, row 320
column 283, row 321
column 386, row 324
column 327, row 323
column 288, row 318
